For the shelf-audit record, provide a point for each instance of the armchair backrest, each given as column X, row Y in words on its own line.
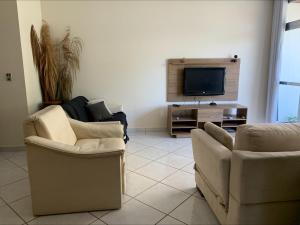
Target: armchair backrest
column 51, row 123
column 268, row 137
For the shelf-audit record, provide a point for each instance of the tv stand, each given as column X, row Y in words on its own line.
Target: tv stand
column 183, row 118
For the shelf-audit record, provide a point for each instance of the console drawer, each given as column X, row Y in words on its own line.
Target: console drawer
column 210, row 115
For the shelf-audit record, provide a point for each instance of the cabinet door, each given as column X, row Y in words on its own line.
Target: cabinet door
column 210, row 115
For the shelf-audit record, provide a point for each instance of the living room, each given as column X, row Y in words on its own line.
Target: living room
column 134, row 59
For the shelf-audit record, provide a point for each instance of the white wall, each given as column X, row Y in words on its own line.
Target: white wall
column 22, row 95
column 293, row 12
column 127, row 43
column 13, row 109
column 29, row 13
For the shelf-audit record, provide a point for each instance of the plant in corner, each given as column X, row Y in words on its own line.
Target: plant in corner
column 57, row 63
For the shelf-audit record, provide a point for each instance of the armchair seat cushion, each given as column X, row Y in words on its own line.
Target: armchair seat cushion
column 93, row 146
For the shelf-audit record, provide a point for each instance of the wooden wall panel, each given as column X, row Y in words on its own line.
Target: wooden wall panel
column 175, row 79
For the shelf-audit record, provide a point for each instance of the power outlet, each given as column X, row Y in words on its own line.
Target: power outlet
column 8, row 77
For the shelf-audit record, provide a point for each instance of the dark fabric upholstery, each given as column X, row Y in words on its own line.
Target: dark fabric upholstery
column 76, row 109
column 79, row 104
column 70, row 111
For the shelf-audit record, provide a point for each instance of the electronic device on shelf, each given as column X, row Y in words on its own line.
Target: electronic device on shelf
column 176, row 105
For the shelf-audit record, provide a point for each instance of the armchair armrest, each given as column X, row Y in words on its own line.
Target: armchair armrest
column 45, row 143
column 104, row 122
column 46, row 146
column 213, row 160
column 264, row 177
column 96, row 130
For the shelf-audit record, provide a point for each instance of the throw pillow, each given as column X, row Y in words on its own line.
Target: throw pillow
column 99, row 111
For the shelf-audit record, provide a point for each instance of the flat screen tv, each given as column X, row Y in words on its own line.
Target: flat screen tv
column 203, row 81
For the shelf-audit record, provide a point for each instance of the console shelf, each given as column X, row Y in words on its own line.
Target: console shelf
column 182, row 119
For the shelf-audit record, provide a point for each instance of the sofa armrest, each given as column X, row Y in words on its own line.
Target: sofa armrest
column 104, row 122
column 45, row 145
column 96, row 130
column 219, row 134
column 51, row 145
column 114, row 108
column 213, row 160
column 265, row 177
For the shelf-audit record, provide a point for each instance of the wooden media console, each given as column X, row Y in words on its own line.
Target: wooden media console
column 183, row 118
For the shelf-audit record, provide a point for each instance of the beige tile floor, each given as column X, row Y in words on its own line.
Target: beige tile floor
column 160, row 187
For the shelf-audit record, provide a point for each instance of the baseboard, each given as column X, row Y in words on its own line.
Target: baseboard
column 145, row 130
column 156, row 129
column 12, row 148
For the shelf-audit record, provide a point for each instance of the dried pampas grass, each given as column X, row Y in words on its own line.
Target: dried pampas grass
column 69, row 51
column 57, row 63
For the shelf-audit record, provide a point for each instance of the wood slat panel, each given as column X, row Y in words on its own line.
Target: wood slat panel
column 175, row 78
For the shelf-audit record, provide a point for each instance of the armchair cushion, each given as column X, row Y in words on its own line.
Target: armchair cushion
column 219, row 134
column 268, row 137
column 91, row 146
column 53, row 124
column 97, row 130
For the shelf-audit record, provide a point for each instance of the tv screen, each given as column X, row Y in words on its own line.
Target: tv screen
column 204, row 81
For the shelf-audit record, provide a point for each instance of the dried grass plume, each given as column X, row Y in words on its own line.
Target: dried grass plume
column 57, row 63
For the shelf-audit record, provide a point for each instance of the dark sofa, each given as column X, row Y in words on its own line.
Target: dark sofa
column 76, row 109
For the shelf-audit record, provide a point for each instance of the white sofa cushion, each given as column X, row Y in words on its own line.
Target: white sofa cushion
column 53, row 124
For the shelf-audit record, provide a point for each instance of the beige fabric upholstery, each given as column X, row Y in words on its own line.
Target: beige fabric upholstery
column 213, row 160
column 276, row 213
column 264, row 177
column 100, row 145
column 68, row 174
column 268, row 137
column 263, row 185
column 97, row 130
column 219, row 134
column 210, row 197
column 105, row 122
column 50, row 122
column 64, row 182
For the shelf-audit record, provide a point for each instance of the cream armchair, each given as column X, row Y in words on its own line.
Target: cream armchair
column 255, row 180
column 73, row 166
